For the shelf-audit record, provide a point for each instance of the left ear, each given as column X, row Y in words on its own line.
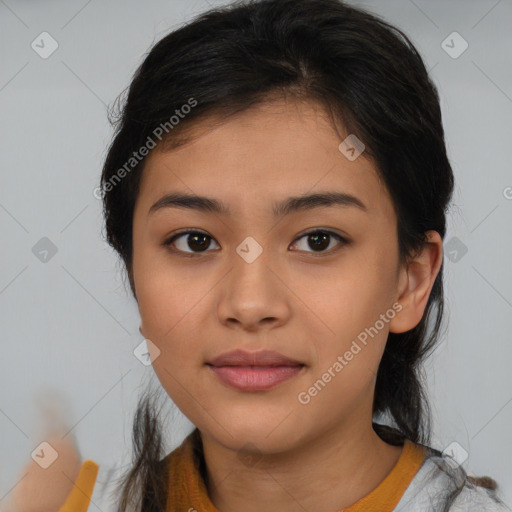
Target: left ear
column 416, row 282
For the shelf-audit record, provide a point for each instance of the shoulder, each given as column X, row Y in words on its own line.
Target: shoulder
column 478, row 499
column 443, row 485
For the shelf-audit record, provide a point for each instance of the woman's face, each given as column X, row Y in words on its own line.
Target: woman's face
column 258, row 281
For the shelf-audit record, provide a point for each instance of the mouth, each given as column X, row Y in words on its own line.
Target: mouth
column 254, row 371
column 269, row 358
column 255, row 378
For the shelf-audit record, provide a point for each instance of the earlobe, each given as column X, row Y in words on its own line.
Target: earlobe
column 416, row 282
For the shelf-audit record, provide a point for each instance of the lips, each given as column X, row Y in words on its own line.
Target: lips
column 265, row 358
column 254, row 371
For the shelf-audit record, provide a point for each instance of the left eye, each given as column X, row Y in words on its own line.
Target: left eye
column 319, row 239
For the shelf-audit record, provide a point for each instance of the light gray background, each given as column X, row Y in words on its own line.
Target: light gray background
column 69, row 325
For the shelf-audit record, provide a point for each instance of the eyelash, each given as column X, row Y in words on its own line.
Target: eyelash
column 167, row 243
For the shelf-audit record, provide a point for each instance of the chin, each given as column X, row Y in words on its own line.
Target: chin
column 259, row 437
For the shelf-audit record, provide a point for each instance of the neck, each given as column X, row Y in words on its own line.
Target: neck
column 341, row 466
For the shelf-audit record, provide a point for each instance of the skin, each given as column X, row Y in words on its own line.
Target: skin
column 307, row 303
column 46, row 490
column 63, row 483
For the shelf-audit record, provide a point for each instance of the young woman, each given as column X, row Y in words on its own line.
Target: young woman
column 277, row 189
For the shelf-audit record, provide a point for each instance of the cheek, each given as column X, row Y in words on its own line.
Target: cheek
column 164, row 296
column 354, row 299
column 350, row 314
column 180, row 361
column 179, row 368
column 169, row 318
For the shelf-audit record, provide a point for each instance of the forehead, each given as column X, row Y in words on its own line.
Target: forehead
column 269, row 152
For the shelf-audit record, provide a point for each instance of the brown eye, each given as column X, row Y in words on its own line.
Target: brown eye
column 190, row 242
column 319, row 240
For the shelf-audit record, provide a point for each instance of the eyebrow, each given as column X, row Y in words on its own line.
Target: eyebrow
column 286, row 207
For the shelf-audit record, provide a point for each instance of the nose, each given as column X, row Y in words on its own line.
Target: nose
column 254, row 293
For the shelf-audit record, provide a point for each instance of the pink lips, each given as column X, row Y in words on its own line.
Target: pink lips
column 256, row 371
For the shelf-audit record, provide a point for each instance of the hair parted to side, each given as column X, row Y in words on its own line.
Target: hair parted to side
column 370, row 78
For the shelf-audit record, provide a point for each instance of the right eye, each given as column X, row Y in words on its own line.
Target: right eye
column 197, row 241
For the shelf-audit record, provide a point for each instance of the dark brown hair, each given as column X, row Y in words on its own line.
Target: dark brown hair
column 369, row 76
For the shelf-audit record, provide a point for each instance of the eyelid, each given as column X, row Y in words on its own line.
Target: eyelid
column 184, row 231
column 341, row 239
